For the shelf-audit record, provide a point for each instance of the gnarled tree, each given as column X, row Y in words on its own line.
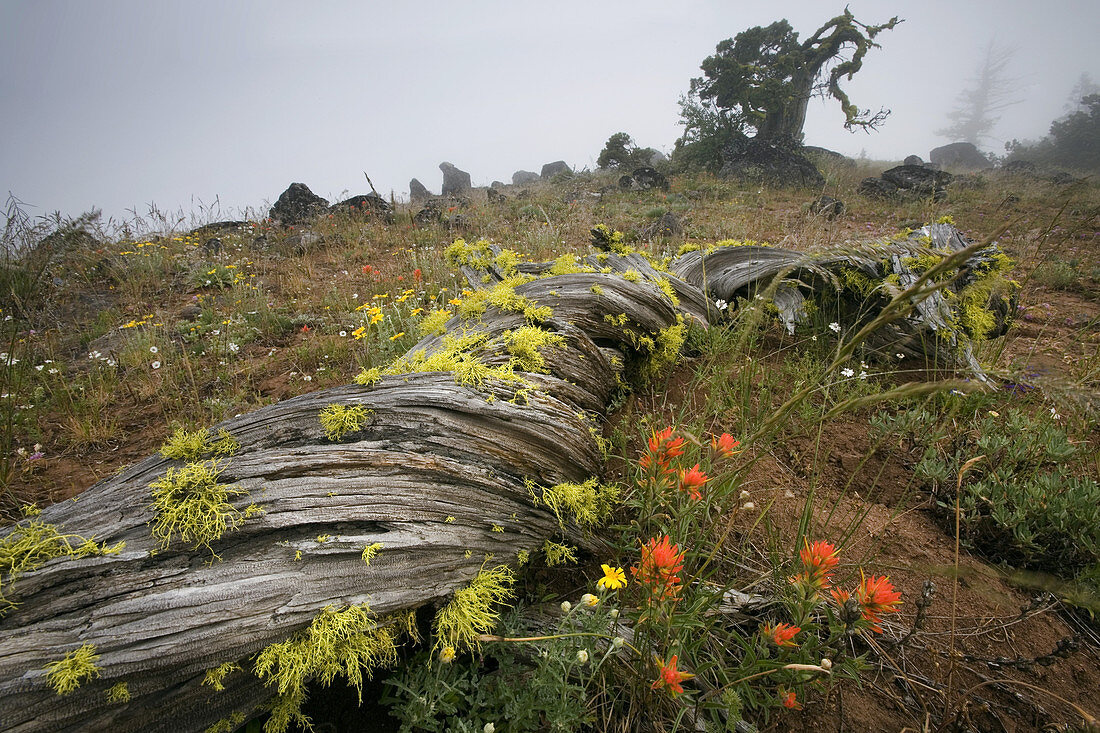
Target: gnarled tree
column 762, row 80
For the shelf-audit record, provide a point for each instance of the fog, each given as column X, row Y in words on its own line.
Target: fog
column 116, row 105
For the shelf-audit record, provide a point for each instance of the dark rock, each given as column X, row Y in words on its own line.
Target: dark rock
column 455, row 181
column 495, row 196
column 648, row 178
column 827, row 206
column 913, row 160
column 626, row 182
column 1061, row 178
column 877, row 188
column 519, row 178
column 212, row 246
column 370, row 204
column 497, row 184
column 220, row 226
column 190, row 312
column 417, row 192
column 667, row 226
column 297, row 204
column 959, row 156
column 558, row 167
column 432, row 213
column 1018, row 166
column 824, row 155
column 918, row 179
column 762, row 162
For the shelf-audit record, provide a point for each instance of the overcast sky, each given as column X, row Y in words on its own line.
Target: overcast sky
column 115, row 104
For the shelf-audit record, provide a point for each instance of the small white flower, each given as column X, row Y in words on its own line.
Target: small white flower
column 814, row 337
column 721, row 304
column 566, row 606
column 900, row 356
column 110, row 362
column 40, row 367
column 582, row 656
column 307, row 378
column 153, row 349
column 343, row 334
column 834, row 327
column 744, row 495
column 489, row 728
column 788, row 494
column 863, row 375
column 846, row 372
column 52, row 371
column 156, row 365
column 355, row 296
column 233, row 348
column 216, row 331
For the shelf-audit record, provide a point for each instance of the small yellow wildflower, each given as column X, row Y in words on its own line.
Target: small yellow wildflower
column 613, row 578
column 397, row 336
column 359, row 332
column 447, row 655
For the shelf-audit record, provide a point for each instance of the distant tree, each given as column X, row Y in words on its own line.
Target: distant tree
column 1073, row 142
column 761, row 82
column 621, row 152
column 991, row 90
column 1083, row 88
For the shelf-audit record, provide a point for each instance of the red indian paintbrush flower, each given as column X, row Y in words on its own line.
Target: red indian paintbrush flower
column 693, row 480
column 876, row 596
column 819, row 560
column 663, row 447
column 790, row 700
column 670, row 677
column 658, row 567
column 780, row 634
column 725, row 445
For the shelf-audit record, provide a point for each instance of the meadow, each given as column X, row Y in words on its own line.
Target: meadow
column 791, row 540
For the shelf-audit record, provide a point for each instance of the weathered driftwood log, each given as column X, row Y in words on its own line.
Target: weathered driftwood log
column 445, row 463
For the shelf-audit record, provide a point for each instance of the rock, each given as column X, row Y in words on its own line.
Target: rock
column 827, row 206
column 558, row 167
column 917, row 178
column 762, row 162
column 495, row 196
column 877, row 188
column 497, row 184
column 455, row 181
column 626, row 182
column 520, row 178
column 417, row 192
column 1061, row 178
column 667, row 226
column 648, row 178
column 959, row 156
column 297, row 204
column 370, row 204
column 652, row 157
column 824, row 155
column 1018, row 166
column 190, row 312
column 913, row 160
column 212, row 246
column 218, row 227
column 431, row 213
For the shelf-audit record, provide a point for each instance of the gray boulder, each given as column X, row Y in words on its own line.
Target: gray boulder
column 455, row 181
column 370, row 204
column 960, row 156
column 823, row 156
column 913, row 160
column 556, row 168
column 761, row 162
column 667, row 226
column 917, row 178
column 827, row 206
column 520, row 178
column 297, row 204
column 877, row 188
column 648, row 178
column 417, row 192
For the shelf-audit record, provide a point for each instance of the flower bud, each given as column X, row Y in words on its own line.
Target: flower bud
column 617, row 643
column 826, row 664
column 582, row 656
column 589, row 600
column 566, row 606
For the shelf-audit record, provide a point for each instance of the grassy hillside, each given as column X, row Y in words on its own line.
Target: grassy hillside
column 978, row 505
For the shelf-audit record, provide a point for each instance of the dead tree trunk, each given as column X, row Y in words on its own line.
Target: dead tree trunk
column 440, row 474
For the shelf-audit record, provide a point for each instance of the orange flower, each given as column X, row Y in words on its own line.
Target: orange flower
column 725, row 444
column 367, row 269
column 819, row 560
column 693, row 480
column 417, row 275
column 790, row 700
column 877, row 596
column 662, row 449
column 780, row 634
column 670, row 676
column 658, row 567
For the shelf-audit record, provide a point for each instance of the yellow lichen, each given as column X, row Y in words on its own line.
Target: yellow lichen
column 558, row 554
column 367, row 377
column 227, row 725
column 340, row 420
column 119, row 693
column 28, row 546
column 434, row 323
column 216, row 677
column 347, row 642
column 472, row 610
column 189, row 502
column 371, row 551
column 190, row 446
column 587, row 504
column 525, row 344
column 76, row 667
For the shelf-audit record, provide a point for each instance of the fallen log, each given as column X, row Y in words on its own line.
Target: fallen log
column 125, row 612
